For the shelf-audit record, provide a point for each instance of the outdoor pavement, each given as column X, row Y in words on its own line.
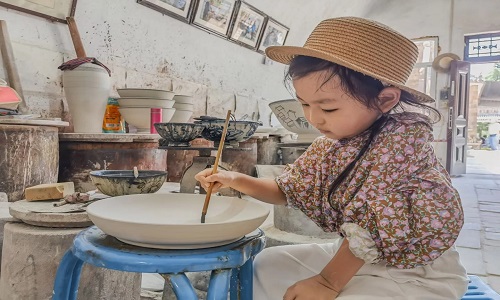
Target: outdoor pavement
column 479, row 240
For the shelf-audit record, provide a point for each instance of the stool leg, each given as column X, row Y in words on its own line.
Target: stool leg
column 218, row 288
column 181, row 285
column 67, row 272
column 234, row 286
column 246, row 280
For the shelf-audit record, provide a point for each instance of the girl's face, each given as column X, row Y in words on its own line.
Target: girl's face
column 334, row 113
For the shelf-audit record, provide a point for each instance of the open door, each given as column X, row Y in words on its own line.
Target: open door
column 458, row 112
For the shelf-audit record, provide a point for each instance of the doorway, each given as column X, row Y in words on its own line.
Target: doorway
column 484, row 115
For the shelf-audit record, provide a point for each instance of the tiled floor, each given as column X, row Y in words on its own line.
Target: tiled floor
column 479, row 241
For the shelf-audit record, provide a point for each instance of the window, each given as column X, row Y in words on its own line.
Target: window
column 482, row 47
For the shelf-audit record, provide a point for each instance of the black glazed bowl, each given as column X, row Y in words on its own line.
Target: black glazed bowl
column 237, row 131
column 179, row 134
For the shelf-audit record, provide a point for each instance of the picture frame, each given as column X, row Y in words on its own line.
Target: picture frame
column 179, row 9
column 53, row 10
column 274, row 34
column 214, row 16
column 247, row 26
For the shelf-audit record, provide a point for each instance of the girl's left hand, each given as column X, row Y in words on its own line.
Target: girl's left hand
column 314, row 288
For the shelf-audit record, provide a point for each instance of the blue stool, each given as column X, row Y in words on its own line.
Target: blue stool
column 478, row 290
column 231, row 265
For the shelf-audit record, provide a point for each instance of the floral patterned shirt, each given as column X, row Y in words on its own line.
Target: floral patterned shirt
column 398, row 193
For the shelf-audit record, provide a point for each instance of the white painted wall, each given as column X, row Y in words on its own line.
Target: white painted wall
column 147, row 49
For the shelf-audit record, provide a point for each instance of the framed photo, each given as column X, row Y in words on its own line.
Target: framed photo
column 248, row 25
column 179, row 9
column 214, row 15
column 54, row 10
column 275, row 34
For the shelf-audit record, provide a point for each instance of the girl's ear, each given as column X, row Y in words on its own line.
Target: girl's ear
column 388, row 98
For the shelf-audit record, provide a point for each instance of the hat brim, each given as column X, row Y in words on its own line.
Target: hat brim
column 285, row 55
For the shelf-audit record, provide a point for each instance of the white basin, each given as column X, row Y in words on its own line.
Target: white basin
column 172, row 221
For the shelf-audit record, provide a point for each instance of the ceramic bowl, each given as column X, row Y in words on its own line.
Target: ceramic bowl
column 140, row 117
column 183, row 99
column 122, row 182
column 181, row 116
column 291, row 116
column 179, row 134
column 145, row 102
column 146, row 93
column 183, row 106
column 172, row 221
column 237, row 131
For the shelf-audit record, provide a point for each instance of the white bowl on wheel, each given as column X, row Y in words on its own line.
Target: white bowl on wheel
column 173, row 221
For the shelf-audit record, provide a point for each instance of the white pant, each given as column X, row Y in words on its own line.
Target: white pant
column 277, row 268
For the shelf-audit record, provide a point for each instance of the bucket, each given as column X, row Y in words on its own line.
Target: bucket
column 87, row 90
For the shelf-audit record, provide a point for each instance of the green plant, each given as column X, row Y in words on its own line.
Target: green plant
column 495, row 74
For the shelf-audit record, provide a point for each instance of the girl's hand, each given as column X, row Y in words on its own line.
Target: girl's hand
column 222, row 179
column 314, row 288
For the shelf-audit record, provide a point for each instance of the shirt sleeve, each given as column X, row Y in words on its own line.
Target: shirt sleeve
column 407, row 202
column 299, row 180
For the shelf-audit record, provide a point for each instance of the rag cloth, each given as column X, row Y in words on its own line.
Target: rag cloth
column 75, row 63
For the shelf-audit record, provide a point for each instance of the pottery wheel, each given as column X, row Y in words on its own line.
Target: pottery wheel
column 44, row 214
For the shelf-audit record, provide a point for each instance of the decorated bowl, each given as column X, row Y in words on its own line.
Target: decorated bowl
column 123, row 182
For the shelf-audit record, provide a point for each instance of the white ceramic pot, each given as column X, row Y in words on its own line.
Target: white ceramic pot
column 87, row 91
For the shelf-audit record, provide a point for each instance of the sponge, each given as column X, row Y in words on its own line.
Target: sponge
column 49, row 191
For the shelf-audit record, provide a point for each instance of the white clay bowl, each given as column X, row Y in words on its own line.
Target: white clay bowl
column 145, row 93
column 145, row 102
column 172, row 221
column 183, row 99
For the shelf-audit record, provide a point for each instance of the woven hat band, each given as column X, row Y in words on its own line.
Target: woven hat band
column 369, row 46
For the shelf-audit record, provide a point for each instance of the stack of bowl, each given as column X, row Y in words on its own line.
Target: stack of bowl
column 136, row 105
column 183, row 109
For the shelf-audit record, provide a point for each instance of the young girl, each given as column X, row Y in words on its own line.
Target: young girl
column 373, row 177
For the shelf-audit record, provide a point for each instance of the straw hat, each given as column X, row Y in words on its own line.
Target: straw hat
column 361, row 45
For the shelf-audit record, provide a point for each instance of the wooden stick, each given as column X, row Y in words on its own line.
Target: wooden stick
column 75, row 36
column 214, row 170
column 10, row 65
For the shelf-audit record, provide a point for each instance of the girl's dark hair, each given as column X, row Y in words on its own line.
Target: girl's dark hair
column 362, row 88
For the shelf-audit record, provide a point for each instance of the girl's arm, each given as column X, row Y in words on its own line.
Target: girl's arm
column 263, row 189
column 343, row 266
column 331, row 280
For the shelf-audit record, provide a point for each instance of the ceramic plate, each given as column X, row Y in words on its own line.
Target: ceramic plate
column 172, row 221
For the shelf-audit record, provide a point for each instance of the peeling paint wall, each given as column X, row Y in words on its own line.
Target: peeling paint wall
column 144, row 48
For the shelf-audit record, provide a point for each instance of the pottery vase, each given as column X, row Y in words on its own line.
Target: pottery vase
column 87, row 90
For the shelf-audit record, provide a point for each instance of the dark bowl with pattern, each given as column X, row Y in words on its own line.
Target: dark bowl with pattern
column 237, row 131
column 123, row 182
column 178, row 134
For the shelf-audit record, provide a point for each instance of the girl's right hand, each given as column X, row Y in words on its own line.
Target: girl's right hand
column 221, row 179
